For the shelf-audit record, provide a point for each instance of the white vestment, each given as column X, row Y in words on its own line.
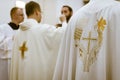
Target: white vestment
column 41, row 43
column 90, row 47
column 6, row 41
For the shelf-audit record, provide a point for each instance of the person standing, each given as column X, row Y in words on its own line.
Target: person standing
column 35, row 48
column 90, row 47
column 7, row 32
column 66, row 14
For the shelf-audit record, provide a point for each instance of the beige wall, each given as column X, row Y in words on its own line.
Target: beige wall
column 50, row 8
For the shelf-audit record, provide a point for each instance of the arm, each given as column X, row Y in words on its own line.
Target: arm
column 54, row 35
column 114, row 41
column 63, row 22
column 5, row 41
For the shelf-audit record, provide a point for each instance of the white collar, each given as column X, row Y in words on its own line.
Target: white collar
column 27, row 24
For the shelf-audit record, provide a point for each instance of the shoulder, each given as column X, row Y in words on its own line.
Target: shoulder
column 46, row 26
column 116, row 6
column 3, row 26
column 115, row 9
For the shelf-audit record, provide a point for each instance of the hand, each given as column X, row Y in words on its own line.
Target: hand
column 58, row 25
column 62, row 18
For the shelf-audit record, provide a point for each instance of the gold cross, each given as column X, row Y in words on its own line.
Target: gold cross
column 89, row 39
column 23, row 48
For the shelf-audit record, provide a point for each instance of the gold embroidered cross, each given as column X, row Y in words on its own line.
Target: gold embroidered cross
column 89, row 40
column 23, row 48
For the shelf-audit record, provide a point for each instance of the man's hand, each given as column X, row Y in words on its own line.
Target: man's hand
column 58, row 25
column 62, row 18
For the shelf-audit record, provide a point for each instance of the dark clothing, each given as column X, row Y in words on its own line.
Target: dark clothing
column 13, row 26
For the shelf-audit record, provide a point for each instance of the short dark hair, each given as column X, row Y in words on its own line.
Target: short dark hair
column 13, row 11
column 70, row 9
column 31, row 7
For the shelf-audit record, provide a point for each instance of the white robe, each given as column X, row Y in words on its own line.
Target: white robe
column 6, row 35
column 42, row 42
column 98, row 58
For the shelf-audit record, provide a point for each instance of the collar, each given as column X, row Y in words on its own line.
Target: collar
column 13, row 26
column 27, row 24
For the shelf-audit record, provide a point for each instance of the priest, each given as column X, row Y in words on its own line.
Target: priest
column 35, row 47
column 7, row 32
column 90, row 47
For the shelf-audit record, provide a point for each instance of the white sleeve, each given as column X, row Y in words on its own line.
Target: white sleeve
column 114, row 41
column 5, row 42
column 64, row 24
column 54, row 35
column 53, row 30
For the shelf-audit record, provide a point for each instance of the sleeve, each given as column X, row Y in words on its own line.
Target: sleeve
column 54, row 35
column 64, row 24
column 5, row 41
column 114, row 41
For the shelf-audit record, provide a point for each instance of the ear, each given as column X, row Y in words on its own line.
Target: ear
column 37, row 12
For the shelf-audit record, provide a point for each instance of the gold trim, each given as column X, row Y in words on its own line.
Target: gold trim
column 77, row 34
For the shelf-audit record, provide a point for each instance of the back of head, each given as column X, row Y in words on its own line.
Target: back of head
column 31, row 7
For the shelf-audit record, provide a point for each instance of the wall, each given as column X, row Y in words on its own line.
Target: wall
column 50, row 9
column 5, row 6
column 74, row 4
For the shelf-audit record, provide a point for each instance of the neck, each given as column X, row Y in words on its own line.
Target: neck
column 100, row 0
column 15, row 22
column 32, row 17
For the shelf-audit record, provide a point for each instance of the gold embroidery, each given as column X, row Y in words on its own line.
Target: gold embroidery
column 23, row 48
column 77, row 34
column 101, row 24
column 81, row 52
column 89, row 55
column 89, row 40
column 100, row 37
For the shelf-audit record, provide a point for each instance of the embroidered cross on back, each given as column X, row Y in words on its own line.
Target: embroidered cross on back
column 23, row 48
